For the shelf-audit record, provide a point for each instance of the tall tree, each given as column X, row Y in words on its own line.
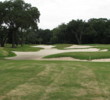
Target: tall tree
column 20, row 15
column 3, row 28
column 76, row 29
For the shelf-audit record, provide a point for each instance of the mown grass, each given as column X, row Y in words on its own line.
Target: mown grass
column 54, row 80
column 62, row 46
column 82, row 55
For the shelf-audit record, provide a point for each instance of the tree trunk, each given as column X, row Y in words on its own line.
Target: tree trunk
column 22, row 40
column 2, row 44
column 13, row 40
column 78, row 39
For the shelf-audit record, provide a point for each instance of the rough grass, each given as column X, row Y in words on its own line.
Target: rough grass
column 82, row 55
column 54, row 80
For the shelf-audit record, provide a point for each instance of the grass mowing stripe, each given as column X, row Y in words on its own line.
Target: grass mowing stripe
column 54, row 80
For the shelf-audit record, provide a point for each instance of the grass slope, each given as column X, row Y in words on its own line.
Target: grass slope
column 54, row 80
column 5, row 53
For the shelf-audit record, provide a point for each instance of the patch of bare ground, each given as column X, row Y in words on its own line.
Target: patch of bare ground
column 59, row 80
column 22, row 90
column 25, row 89
column 88, row 80
column 52, row 87
column 28, row 88
column 49, row 71
column 80, row 92
column 32, row 87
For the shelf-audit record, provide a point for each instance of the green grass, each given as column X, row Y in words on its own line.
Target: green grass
column 25, row 48
column 82, row 55
column 100, row 46
column 5, row 53
column 103, row 46
column 62, row 46
column 54, row 80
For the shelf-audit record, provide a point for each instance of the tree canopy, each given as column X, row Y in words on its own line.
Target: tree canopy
column 83, row 32
column 19, row 25
column 17, row 16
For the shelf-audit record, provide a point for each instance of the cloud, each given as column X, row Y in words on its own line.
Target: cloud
column 55, row 12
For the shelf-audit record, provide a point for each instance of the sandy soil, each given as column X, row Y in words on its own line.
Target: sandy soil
column 65, row 59
column 101, row 60
column 49, row 50
column 79, row 46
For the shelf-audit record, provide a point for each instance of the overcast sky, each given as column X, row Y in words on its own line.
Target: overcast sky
column 55, row 12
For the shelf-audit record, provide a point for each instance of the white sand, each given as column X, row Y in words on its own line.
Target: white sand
column 79, row 46
column 101, row 60
column 49, row 50
column 44, row 46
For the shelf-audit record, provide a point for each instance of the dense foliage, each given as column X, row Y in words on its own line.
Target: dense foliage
column 18, row 25
column 93, row 31
column 83, row 32
column 16, row 19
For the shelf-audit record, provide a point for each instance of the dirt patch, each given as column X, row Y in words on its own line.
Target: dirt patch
column 80, row 92
column 25, row 89
column 89, row 81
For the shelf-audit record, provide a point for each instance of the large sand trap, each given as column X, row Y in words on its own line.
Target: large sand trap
column 49, row 50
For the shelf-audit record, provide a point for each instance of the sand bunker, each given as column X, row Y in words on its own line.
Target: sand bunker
column 78, row 47
column 44, row 46
column 101, row 60
column 49, row 50
column 65, row 59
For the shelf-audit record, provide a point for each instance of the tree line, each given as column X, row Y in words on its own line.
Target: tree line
column 93, row 31
column 18, row 25
column 83, row 32
column 17, row 18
